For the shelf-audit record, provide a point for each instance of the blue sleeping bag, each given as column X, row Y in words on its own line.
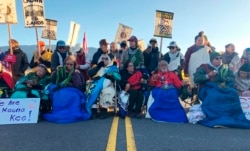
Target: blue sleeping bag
column 166, row 106
column 68, row 105
column 221, row 107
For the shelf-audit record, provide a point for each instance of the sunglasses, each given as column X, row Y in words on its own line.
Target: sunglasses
column 171, row 47
column 218, row 58
column 69, row 64
column 104, row 58
column 61, row 47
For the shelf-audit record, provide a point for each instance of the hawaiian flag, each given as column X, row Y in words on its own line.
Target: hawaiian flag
column 84, row 44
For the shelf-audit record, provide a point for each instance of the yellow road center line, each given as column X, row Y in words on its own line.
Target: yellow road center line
column 129, row 135
column 111, row 145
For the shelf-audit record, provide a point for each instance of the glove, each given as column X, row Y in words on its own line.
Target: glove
column 100, row 64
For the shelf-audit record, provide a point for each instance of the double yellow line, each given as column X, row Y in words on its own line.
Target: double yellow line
column 111, row 145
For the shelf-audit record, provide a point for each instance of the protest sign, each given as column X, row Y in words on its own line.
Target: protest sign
column 8, row 12
column 123, row 33
column 34, row 13
column 50, row 30
column 163, row 24
column 245, row 105
column 19, row 111
column 73, row 34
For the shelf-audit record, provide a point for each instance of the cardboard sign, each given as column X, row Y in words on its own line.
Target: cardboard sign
column 245, row 105
column 50, row 30
column 34, row 15
column 8, row 12
column 19, row 111
column 123, row 33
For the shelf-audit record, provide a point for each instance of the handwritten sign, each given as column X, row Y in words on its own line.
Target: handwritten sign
column 19, row 111
column 245, row 105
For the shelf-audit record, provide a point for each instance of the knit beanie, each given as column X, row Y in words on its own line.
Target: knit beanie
column 213, row 55
column 245, row 67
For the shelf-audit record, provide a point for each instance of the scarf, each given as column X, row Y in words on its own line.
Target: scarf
column 242, row 84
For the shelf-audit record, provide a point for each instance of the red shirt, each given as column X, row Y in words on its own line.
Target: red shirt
column 165, row 78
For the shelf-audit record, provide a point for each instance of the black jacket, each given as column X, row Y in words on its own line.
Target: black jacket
column 151, row 60
column 21, row 63
column 97, row 55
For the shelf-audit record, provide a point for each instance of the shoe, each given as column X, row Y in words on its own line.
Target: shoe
column 139, row 116
column 94, row 113
column 131, row 114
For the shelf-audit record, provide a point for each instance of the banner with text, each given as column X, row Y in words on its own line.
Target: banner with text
column 19, row 111
column 163, row 24
column 34, row 15
column 50, row 30
column 123, row 33
column 8, row 12
column 73, row 34
column 245, row 105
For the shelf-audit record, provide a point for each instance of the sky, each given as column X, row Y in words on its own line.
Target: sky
column 223, row 21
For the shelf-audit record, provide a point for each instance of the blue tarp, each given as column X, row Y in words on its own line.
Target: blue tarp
column 166, row 106
column 221, row 107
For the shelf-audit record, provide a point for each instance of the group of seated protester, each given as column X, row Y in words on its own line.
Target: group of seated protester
column 67, row 97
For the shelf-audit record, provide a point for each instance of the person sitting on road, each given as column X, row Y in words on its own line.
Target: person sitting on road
column 220, row 101
column 67, row 75
column 163, row 104
column 103, row 76
column 66, row 93
column 33, row 85
column 131, row 84
column 242, row 80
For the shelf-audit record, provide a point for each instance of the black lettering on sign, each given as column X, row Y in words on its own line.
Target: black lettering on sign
column 31, row 1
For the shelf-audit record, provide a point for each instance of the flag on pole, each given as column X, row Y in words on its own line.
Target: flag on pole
column 84, row 44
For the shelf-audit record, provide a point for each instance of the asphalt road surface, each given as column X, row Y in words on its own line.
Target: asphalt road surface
column 119, row 134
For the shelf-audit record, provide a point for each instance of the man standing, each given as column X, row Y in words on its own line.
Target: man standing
column 21, row 63
column 102, row 50
column 43, row 58
column 133, row 54
column 59, row 55
column 152, row 57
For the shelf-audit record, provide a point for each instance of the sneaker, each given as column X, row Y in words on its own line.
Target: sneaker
column 139, row 116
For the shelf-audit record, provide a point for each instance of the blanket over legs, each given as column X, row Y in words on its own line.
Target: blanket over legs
column 68, row 105
column 221, row 107
column 166, row 106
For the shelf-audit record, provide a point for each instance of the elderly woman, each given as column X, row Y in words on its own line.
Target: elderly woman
column 67, row 75
column 166, row 106
column 68, row 100
column 103, row 76
column 220, row 101
column 131, row 84
column 32, row 86
column 242, row 80
column 174, row 59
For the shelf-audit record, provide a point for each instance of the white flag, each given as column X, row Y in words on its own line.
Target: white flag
column 8, row 12
column 73, row 34
column 34, row 15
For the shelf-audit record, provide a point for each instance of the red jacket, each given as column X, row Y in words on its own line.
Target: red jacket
column 80, row 60
column 165, row 78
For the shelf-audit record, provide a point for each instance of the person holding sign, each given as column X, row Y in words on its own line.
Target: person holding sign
column 43, row 58
column 220, row 101
column 21, row 63
column 59, row 55
column 243, row 80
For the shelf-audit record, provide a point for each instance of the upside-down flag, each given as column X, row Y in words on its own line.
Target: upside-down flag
column 84, row 44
